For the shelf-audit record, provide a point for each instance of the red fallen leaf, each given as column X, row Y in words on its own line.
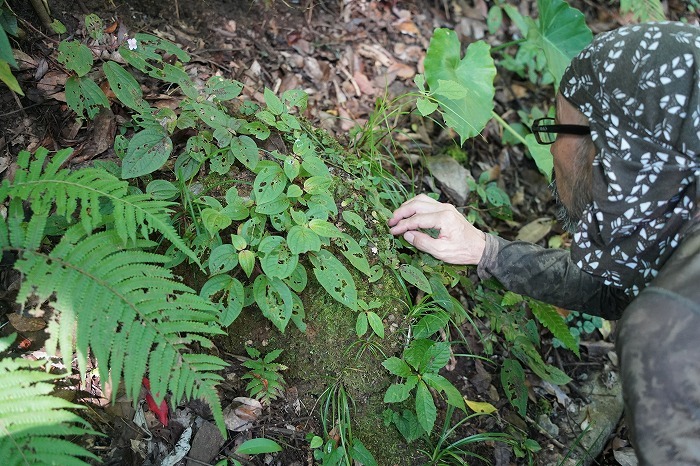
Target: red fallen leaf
column 25, row 343
column 161, row 411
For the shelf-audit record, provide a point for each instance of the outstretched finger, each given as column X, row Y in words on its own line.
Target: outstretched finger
column 417, row 222
column 420, row 204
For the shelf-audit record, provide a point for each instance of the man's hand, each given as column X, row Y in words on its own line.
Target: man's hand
column 459, row 242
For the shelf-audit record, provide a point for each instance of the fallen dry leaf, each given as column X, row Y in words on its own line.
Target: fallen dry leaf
column 25, row 323
column 240, row 415
column 535, row 230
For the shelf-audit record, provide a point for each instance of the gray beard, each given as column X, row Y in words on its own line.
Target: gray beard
column 568, row 219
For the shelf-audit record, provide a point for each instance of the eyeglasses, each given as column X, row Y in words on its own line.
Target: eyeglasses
column 546, row 131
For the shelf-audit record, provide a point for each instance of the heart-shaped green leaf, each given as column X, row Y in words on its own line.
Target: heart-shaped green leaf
column 561, row 32
column 467, row 83
column 147, row 152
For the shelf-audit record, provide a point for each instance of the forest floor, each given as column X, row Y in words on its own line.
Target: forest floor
column 347, row 55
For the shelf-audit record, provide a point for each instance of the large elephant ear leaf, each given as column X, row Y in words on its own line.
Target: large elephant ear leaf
column 462, row 86
column 561, row 32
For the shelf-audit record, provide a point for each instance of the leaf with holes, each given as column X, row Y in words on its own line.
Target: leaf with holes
column 354, row 220
column 274, row 299
column 335, row 278
column 317, row 184
column 223, row 89
column 257, row 129
column 353, row 253
column 75, row 56
column 148, row 150
column 269, row 184
column 298, row 279
column 275, row 257
column 83, row 95
column 222, row 259
column 246, row 151
column 276, row 206
column 513, row 381
column 415, row 277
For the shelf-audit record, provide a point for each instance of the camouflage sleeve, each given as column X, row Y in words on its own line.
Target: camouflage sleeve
column 550, row 276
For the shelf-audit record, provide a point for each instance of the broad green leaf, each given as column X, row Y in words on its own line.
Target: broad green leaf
column 430, row 324
column 335, row 278
column 222, row 259
column 316, row 442
column 397, row 367
column 294, row 191
column 257, row 446
column 83, row 95
column 266, row 117
column 317, row 184
column 548, row 316
column 253, row 229
column 425, row 407
column 561, row 32
column 354, row 220
column 214, row 221
column 302, row 239
column 291, row 169
column 325, row 229
column 246, row 259
column 494, row 19
column 407, row 423
column 426, row 106
column 274, row 299
column 8, row 78
column 298, row 313
column 162, row 190
column 541, row 155
column 58, row 27
column 524, row 350
column 361, row 454
column 6, row 49
column 468, row 113
column 298, row 279
column 314, row 165
column 513, row 381
column 234, row 306
column 269, row 184
column 257, row 129
column 296, row 98
column 415, row 277
column 361, row 324
column 398, row 392
column 274, row 104
column 148, row 151
column 435, row 358
column 246, row 151
column 125, row 87
column 276, row 206
column 376, row 323
column 441, row 384
column 276, row 259
column 75, row 56
column 354, row 254
column 223, row 89
column 290, row 120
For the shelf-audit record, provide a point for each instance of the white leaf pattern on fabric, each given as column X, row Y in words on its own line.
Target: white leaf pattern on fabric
column 647, row 135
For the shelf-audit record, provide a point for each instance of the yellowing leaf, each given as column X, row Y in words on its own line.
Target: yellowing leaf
column 480, row 406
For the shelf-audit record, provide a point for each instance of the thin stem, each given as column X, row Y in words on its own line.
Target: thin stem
column 507, row 44
column 507, row 127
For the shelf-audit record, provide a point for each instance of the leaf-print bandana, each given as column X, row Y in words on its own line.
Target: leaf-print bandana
column 639, row 86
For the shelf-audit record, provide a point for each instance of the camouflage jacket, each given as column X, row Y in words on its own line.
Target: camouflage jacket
column 550, row 276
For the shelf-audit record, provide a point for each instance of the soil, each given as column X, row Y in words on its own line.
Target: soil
column 345, row 54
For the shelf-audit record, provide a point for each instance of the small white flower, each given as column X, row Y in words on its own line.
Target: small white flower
column 374, row 250
column 131, row 44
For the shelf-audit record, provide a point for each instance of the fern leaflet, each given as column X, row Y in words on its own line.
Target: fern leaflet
column 643, row 10
column 32, row 421
column 47, row 185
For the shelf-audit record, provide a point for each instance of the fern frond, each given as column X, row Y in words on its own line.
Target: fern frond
column 643, row 10
column 85, row 191
column 120, row 303
column 32, row 421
